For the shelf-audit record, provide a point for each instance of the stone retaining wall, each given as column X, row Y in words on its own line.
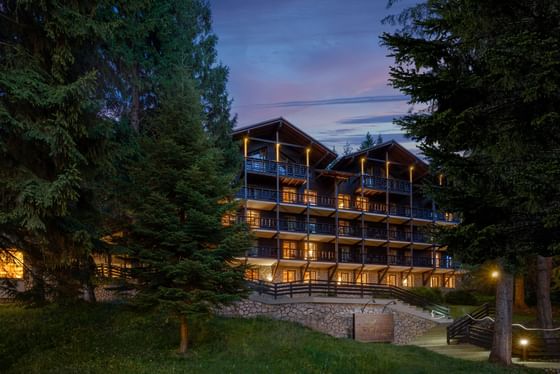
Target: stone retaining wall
column 334, row 319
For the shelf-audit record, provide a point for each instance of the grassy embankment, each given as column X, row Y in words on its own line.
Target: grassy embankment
column 113, row 339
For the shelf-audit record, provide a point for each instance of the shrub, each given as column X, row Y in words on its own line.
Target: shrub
column 461, row 297
column 432, row 294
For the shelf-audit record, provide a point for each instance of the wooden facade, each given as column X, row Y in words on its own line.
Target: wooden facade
column 360, row 218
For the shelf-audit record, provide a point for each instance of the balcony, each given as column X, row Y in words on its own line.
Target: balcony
column 284, row 169
column 383, row 184
column 323, row 201
column 353, row 256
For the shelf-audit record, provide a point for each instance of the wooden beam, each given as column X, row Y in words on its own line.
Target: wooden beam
column 275, row 269
column 359, row 273
column 426, row 279
column 381, row 275
column 334, row 268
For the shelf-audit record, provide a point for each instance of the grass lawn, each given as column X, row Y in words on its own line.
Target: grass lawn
column 113, row 339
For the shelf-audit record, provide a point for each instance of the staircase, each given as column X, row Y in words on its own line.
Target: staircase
column 464, row 326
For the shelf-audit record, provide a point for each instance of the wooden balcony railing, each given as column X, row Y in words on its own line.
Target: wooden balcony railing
column 382, row 184
column 286, row 169
column 353, row 256
column 263, row 194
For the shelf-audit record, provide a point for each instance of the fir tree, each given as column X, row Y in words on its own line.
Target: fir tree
column 52, row 140
column 492, row 83
column 347, row 149
column 368, row 142
column 379, row 139
column 182, row 195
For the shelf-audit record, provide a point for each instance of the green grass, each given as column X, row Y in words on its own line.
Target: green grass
column 114, row 339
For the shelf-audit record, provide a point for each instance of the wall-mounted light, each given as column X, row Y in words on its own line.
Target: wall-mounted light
column 307, row 152
column 277, row 152
column 362, row 165
column 245, row 146
column 410, row 170
column 387, row 169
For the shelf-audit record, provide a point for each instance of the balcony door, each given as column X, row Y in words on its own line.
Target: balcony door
column 289, row 195
column 288, row 276
column 289, row 249
column 310, row 251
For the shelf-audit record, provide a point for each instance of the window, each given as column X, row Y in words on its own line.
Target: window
column 289, row 249
column 289, row 195
column 291, row 223
column 252, row 274
column 228, row 219
column 288, row 276
column 435, row 281
column 362, row 203
column 392, row 279
column 310, row 197
column 362, row 278
column 253, row 218
column 312, row 225
column 310, row 276
column 343, row 227
column 343, row 277
column 343, row 201
column 345, row 253
column 408, row 281
column 450, row 281
column 11, row 264
column 310, row 251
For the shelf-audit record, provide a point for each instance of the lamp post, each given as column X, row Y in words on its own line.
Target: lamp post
column 495, row 274
column 524, row 343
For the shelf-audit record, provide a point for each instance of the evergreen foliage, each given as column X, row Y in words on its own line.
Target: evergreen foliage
column 490, row 73
column 52, row 140
column 368, row 142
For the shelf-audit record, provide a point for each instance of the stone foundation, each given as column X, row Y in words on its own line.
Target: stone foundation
column 332, row 318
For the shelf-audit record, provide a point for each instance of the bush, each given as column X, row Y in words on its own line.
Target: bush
column 432, row 294
column 461, row 297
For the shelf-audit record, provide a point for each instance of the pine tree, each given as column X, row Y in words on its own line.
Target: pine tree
column 379, row 139
column 183, row 193
column 368, row 142
column 347, row 149
column 52, row 139
column 491, row 83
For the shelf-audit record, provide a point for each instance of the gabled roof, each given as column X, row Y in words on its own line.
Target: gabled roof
column 290, row 131
column 399, row 153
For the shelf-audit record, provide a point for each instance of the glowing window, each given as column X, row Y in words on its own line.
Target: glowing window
column 310, row 251
column 343, row 277
column 392, row 279
column 408, row 281
column 362, row 203
column 11, row 264
column 289, row 195
column 253, row 219
column 343, row 201
column 450, row 281
column 310, row 276
column 310, row 197
column 435, row 281
column 289, row 249
column 252, row 274
column 362, row 278
column 288, row 276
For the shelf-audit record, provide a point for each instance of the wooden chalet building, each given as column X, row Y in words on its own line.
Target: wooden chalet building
column 360, row 218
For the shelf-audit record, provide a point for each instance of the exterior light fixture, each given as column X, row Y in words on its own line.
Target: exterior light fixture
column 307, row 152
column 524, row 343
column 362, row 163
column 495, row 274
column 277, row 152
column 245, row 146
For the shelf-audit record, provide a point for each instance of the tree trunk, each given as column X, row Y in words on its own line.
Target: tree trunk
column 519, row 295
column 184, row 345
column 544, row 307
column 501, row 345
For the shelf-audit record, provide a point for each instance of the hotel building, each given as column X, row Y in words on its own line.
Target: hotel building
column 360, row 218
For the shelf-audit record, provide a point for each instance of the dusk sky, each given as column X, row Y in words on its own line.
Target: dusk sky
column 317, row 63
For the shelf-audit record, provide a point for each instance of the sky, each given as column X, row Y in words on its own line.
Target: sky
column 317, row 63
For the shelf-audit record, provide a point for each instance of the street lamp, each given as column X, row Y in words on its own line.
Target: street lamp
column 524, row 343
column 495, row 274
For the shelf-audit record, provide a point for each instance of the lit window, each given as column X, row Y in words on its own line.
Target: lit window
column 289, row 249
column 408, row 281
column 310, row 276
column 228, row 220
column 392, row 279
column 310, row 251
column 310, row 197
column 435, row 281
column 289, row 195
column 450, row 281
column 288, row 276
column 343, row 277
column 362, row 203
column 343, row 201
column 362, row 278
column 11, row 264
column 253, row 218
column 252, row 274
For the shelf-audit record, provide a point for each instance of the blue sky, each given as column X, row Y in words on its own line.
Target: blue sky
column 317, row 63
